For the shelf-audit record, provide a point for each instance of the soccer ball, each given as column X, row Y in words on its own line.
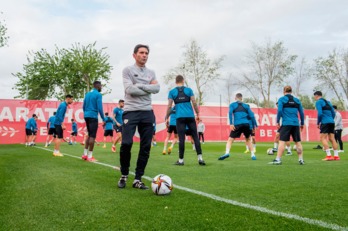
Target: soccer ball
column 270, row 151
column 162, row 184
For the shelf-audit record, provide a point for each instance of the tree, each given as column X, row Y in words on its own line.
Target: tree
column 302, row 73
column 67, row 71
column 307, row 101
column 196, row 67
column 269, row 65
column 332, row 74
column 229, row 84
column 3, row 33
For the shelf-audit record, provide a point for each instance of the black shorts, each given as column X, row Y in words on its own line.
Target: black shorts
column 171, row 129
column 28, row 132
column 34, row 133
column 92, row 127
column 109, row 133
column 52, row 131
column 118, row 129
column 239, row 129
column 73, row 133
column 287, row 130
column 327, row 128
column 59, row 131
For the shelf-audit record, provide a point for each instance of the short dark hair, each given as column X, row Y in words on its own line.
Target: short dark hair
column 54, row 113
column 69, row 96
column 239, row 95
column 136, row 48
column 179, row 79
column 318, row 93
column 334, row 106
column 121, row 101
column 72, row 120
column 34, row 115
column 96, row 82
column 106, row 113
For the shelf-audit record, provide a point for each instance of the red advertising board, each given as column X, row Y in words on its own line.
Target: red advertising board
column 15, row 113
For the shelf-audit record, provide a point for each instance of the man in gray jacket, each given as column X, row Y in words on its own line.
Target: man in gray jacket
column 139, row 83
column 338, row 128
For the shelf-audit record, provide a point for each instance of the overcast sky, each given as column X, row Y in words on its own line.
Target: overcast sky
column 308, row 28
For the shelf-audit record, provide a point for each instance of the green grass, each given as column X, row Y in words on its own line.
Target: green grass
column 42, row 192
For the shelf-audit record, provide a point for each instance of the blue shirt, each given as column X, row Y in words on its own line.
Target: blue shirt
column 31, row 124
column 50, row 122
column 118, row 112
column 109, row 123
column 92, row 104
column 74, row 127
column 172, row 120
column 289, row 115
column 324, row 116
column 60, row 113
column 244, row 116
column 183, row 110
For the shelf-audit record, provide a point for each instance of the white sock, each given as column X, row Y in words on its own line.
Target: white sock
column 275, row 145
column 181, row 160
column 254, row 145
column 252, row 154
column 288, row 148
column 247, row 148
column 85, row 152
column 328, row 153
column 277, row 159
column 335, row 152
column 200, row 157
column 90, row 154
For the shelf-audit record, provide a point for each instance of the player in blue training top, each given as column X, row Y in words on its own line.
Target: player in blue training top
column 289, row 108
column 184, row 99
column 29, row 130
column 73, row 134
column 242, row 120
column 154, row 143
column 51, row 130
column 326, row 124
column 118, row 112
column 171, row 127
column 108, row 128
column 59, row 123
column 92, row 105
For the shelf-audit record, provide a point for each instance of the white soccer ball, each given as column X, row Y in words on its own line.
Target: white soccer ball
column 270, row 151
column 162, row 184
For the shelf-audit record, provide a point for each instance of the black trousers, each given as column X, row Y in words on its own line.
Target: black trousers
column 201, row 136
column 131, row 120
column 181, row 124
column 338, row 138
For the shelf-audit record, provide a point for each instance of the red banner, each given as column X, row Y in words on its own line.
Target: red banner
column 15, row 113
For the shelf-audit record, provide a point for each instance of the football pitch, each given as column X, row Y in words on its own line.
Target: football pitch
column 42, row 192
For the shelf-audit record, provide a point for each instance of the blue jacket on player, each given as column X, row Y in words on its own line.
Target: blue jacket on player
column 326, row 113
column 240, row 113
column 31, row 124
column 118, row 112
column 92, row 104
column 172, row 120
column 50, row 122
column 109, row 123
column 288, row 109
column 60, row 115
column 183, row 109
column 74, row 126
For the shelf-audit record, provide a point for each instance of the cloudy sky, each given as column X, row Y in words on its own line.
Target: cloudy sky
column 308, row 28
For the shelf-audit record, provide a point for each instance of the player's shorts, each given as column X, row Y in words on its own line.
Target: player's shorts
column 288, row 130
column 74, row 133
column 28, row 132
column 327, row 128
column 59, row 131
column 51, row 131
column 92, row 127
column 34, row 133
column 239, row 129
column 118, row 129
column 171, row 129
column 154, row 132
column 109, row 133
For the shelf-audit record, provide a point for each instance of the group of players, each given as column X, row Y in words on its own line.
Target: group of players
column 136, row 112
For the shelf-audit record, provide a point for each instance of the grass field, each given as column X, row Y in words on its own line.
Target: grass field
column 42, row 192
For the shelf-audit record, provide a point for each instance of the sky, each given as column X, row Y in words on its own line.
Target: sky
column 308, row 28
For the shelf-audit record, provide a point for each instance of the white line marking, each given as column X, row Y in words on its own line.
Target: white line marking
column 232, row 202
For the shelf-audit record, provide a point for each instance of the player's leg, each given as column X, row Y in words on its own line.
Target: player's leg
column 288, row 148
column 181, row 127
column 276, row 141
column 192, row 126
column 338, row 137
column 284, row 136
column 92, row 134
column 59, row 132
column 166, row 143
column 334, row 146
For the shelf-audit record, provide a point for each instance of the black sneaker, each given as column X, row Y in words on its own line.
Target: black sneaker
column 201, row 162
column 301, row 162
column 140, row 185
column 122, row 182
column 178, row 163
